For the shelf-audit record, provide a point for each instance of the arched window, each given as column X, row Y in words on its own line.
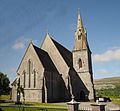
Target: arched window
column 34, row 78
column 79, row 37
column 30, row 67
column 80, row 63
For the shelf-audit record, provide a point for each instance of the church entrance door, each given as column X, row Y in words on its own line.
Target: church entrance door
column 82, row 96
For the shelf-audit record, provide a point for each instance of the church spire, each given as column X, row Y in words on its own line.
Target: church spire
column 80, row 35
column 79, row 22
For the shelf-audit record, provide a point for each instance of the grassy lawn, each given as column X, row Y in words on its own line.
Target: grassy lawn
column 5, row 97
column 31, row 109
column 41, row 105
column 35, row 104
column 31, row 106
column 116, row 101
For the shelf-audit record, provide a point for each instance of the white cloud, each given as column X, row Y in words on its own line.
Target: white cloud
column 109, row 55
column 18, row 45
column 20, row 42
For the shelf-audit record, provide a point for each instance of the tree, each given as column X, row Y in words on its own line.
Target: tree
column 4, row 84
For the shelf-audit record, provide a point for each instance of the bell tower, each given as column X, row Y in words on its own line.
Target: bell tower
column 82, row 58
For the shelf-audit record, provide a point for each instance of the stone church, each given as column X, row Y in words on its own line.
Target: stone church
column 52, row 73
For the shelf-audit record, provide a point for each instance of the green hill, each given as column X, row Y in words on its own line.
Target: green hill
column 108, row 87
column 106, row 83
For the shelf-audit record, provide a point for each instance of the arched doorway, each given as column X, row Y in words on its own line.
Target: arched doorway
column 82, row 96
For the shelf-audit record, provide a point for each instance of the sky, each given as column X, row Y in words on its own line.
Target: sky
column 24, row 20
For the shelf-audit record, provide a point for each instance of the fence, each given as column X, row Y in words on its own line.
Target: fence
column 106, row 109
column 85, row 108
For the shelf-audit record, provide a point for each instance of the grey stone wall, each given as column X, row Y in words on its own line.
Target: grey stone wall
column 14, row 93
column 55, row 56
column 32, row 93
column 85, row 72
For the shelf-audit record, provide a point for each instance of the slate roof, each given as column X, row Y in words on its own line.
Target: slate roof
column 65, row 53
column 45, row 59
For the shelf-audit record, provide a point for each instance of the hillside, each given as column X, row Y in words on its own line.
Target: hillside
column 106, row 82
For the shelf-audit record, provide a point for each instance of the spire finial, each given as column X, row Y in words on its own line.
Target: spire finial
column 79, row 11
column 46, row 30
column 30, row 41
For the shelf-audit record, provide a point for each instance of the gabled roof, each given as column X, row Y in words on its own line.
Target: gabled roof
column 45, row 59
column 24, row 55
column 14, row 82
column 65, row 53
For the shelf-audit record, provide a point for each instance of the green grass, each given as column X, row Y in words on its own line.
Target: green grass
column 28, row 106
column 5, row 97
column 41, row 105
column 48, row 105
column 31, row 109
column 44, row 104
column 116, row 101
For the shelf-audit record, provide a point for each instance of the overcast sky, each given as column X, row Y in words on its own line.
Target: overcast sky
column 25, row 20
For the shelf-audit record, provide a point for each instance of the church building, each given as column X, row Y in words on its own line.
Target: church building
column 52, row 73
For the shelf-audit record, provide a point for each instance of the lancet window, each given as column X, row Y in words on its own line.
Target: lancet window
column 30, row 68
column 34, row 78
column 80, row 63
